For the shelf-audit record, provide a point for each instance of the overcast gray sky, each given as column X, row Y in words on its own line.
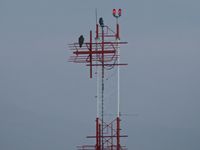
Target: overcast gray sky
column 47, row 103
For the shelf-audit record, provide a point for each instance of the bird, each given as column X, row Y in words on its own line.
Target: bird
column 81, row 41
column 101, row 22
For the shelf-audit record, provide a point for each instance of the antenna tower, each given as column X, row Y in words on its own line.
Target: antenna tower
column 103, row 53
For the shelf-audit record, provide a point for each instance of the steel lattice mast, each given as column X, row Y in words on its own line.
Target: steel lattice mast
column 104, row 52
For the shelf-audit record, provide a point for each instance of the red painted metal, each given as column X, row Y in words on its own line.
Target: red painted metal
column 99, row 137
column 90, row 54
column 109, row 65
column 111, row 135
column 97, row 31
column 118, row 133
column 95, row 52
column 97, row 134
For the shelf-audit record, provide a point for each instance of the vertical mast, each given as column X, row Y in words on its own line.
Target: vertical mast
column 118, row 79
column 98, row 141
column 97, row 68
column 102, row 90
column 118, row 72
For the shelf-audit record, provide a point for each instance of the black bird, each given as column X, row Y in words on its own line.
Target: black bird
column 101, row 22
column 81, row 40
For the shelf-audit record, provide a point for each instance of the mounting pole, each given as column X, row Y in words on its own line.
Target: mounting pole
column 118, row 87
column 97, row 97
column 118, row 73
column 97, row 68
column 118, row 79
column 102, row 91
column 90, row 54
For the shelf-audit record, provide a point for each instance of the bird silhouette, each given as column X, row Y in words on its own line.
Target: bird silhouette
column 101, row 22
column 81, row 41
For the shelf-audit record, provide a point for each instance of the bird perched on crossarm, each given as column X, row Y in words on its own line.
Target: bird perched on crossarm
column 81, row 41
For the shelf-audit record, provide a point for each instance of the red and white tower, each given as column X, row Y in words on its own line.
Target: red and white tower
column 104, row 52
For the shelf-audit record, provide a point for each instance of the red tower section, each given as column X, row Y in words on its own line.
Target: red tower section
column 102, row 53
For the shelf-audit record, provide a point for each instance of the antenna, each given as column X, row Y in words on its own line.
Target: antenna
column 103, row 54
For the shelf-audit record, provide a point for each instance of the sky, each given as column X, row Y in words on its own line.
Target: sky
column 47, row 103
